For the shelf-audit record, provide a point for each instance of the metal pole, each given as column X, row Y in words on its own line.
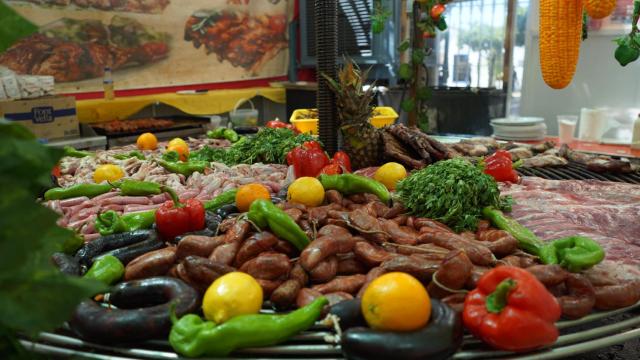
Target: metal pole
column 326, row 23
column 507, row 66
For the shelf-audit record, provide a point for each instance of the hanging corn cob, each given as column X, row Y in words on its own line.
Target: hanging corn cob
column 560, row 38
column 599, row 9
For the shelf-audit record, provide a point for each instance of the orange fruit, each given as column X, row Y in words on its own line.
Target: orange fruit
column 147, row 141
column 177, row 141
column 248, row 193
column 396, row 302
column 182, row 150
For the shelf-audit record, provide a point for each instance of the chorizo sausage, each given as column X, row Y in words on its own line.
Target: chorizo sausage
column 350, row 266
column 455, row 301
column 393, row 211
column 478, row 254
column 398, row 234
column 254, row 245
column 154, row 263
column 203, row 271
column 306, row 297
column 581, row 298
column 334, row 232
column 349, row 284
column 368, row 225
column 299, row 274
column 268, row 286
column 337, row 297
column 284, row 296
column 197, row 245
column 334, row 197
column 225, row 253
column 268, row 266
column 326, row 270
column 371, row 255
column 511, row 260
column 294, row 214
column 617, row 296
column 285, row 247
column 323, row 247
column 419, row 223
column 549, row 275
column 500, row 242
column 417, row 267
column 476, row 273
column 453, row 273
column 238, row 232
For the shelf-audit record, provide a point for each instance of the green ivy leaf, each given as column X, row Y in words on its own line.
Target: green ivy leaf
column 442, row 24
column 423, row 93
column 404, row 46
column 408, row 105
column 417, row 56
column 405, row 72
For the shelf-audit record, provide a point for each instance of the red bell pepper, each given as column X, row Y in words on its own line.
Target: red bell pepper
column 276, row 124
column 511, row 310
column 308, row 159
column 175, row 218
column 331, row 169
column 436, row 11
column 342, row 159
column 500, row 166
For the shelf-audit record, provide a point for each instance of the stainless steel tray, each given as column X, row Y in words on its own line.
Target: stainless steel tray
column 596, row 331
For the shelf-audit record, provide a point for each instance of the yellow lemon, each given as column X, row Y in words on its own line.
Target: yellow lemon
column 177, row 141
column 147, row 141
column 233, row 294
column 396, row 302
column 390, row 173
column 307, row 191
column 108, row 172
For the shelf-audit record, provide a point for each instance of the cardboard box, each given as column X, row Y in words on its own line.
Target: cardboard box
column 48, row 117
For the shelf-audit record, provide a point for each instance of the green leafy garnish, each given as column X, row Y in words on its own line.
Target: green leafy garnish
column 34, row 296
column 269, row 146
column 451, row 191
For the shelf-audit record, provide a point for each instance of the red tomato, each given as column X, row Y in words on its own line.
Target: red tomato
column 342, row 159
column 428, row 35
column 275, row 124
column 436, row 11
column 332, row 169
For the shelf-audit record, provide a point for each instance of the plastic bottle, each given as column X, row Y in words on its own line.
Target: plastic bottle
column 635, row 139
column 107, row 84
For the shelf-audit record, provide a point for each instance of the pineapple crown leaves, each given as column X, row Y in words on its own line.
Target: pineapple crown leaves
column 353, row 102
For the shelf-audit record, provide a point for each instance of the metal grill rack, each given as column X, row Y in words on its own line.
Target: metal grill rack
column 593, row 332
column 577, row 171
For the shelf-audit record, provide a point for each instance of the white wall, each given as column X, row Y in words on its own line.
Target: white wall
column 599, row 80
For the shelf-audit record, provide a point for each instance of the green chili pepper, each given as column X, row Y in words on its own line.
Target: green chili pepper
column 230, row 135
column 227, row 197
column 217, row 133
column 264, row 214
column 354, row 184
column 185, row 168
column 575, row 253
column 171, row 156
column 73, row 152
column 138, row 188
column 107, row 269
column 191, row 336
column 133, row 154
column 109, row 222
column 88, row 190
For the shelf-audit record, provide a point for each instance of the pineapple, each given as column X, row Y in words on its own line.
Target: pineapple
column 361, row 140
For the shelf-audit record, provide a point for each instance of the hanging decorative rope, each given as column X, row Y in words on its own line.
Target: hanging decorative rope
column 326, row 23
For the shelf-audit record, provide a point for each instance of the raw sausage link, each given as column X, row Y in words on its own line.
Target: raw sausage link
column 617, row 296
column 268, row 286
column 197, row 245
column 326, row 270
column 254, row 245
column 153, row 263
column 350, row 266
column 350, row 284
column 453, row 273
column 419, row 223
column 581, row 298
column 225, row 253
column 549, row 275
column 334, row 197
column 286, row 248
column 371, row 255
column 285, row 295
column 500, row 242
column 478, row 254
column 323, row 247
column 306, row 297
column 268, row 266
column 510, row 260
column 299, row 274
column 203, row 271
column 417, row 267
column 238, row 232
column 399, row 234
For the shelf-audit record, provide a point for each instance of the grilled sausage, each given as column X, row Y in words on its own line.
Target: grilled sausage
column 581, row 298
column 350, row 266
column 323, row 247
column 285, row 295
column 334, row 196
column 399, row 235
column 371, row 275
column 225, row 253
column 417, row 267
column 549, row 275
column 306, row 297
column 299, row 274
column 453, row 273
column 371, row 255
column 154, row 263
column 500, row 242
column 617, row 296
column 203, row 271
column 269, row 286
column 419, row 223
column 337, row 297
column 238, row 232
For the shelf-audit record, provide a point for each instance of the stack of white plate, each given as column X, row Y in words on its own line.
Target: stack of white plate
column 519, row 128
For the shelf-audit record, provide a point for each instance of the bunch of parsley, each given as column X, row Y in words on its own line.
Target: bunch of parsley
column 453, row 192
column 34, row 295
column 269, row 146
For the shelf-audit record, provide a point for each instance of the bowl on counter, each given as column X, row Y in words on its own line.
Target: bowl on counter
column 244, row 117
column 306, row 120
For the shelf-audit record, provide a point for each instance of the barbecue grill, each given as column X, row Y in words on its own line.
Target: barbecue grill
column 595, row 331
column 577, row 171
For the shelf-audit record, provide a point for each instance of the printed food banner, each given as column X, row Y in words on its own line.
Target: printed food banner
column 149, row 43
